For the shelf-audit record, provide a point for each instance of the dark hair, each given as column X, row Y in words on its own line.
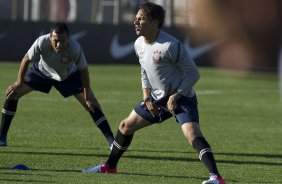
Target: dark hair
column 154, row 11
column 60, row 28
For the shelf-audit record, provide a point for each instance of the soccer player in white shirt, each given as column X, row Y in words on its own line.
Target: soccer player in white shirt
column 168, row 75
column 58, row 61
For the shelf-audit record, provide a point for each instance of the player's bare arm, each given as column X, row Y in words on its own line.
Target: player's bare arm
column 146, row 93
column 88, row 95
column 152, row 107
column 11, row 92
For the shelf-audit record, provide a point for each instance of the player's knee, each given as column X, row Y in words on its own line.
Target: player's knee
column 125, row 128
column 191, row 131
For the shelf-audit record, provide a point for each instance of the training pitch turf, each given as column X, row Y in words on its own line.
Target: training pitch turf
column 240, row 116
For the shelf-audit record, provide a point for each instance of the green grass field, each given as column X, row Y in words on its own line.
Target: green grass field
column 240, row 116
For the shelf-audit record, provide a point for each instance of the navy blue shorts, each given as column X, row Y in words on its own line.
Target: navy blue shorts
column 186, row 110
column 39, row 82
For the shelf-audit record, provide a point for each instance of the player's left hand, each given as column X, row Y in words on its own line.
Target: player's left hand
column 11, row 91
column 171, row 103
column 90, row 100
column 152, row 108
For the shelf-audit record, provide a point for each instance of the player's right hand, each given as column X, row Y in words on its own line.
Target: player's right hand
column 11, row 92
column 152, row 107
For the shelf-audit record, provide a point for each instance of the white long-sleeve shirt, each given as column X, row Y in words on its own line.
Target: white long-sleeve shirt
column 166, row 67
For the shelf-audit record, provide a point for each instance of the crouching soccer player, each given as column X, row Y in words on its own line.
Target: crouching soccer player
column 60, row 62
column 168, row 75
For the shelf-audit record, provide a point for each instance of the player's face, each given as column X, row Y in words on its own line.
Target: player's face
column 59, row 41
column 143, row 26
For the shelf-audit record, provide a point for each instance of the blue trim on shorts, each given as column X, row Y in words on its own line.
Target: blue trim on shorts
column 39, row 82
column 186, row 110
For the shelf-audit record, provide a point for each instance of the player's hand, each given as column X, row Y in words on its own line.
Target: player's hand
column 90, row 100
column 11, row 92
column 152, row 107
column 171, row 103
column 90, row 105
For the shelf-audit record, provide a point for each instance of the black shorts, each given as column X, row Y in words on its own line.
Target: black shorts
column 39, row 82
column 186, row 110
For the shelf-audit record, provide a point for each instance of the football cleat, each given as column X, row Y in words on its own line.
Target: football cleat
column 3, row 142
column 103, row 168
column 215, row 180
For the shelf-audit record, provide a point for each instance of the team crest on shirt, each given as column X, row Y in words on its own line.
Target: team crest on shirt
column 66, row 58
column 156, row 56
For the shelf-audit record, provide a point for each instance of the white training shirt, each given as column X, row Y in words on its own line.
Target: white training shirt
column 57, row 66
column 166, row 67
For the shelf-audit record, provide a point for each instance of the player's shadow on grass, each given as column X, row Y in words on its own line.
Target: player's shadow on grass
column 166, row 151
column 251, row 155
column 182, row 177
column 160, row 151
column 23, row 181
column 57, row 147
column 160, row 157
column 197, row 160
column 10, row 175
column 8, row 171
column 161, row 176
column 56, row 153
column 221, row 153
